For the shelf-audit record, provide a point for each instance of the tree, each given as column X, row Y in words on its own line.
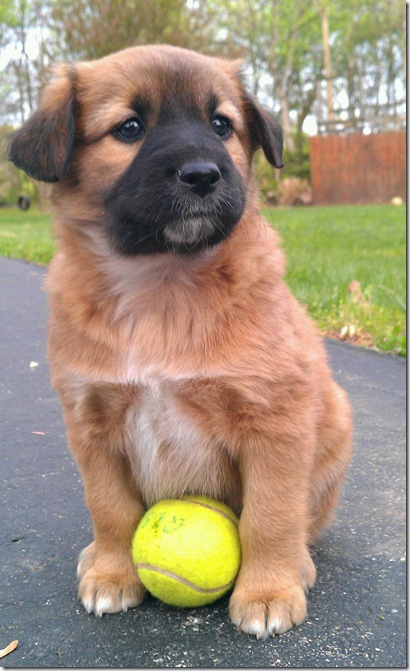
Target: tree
column 90, row 30
column 367, row 56
column 21, row 24
column 301, row 57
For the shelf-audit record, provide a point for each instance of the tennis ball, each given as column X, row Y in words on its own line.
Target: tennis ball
column 187, row 551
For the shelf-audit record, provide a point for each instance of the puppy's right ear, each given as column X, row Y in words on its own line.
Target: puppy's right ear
column 42, row 147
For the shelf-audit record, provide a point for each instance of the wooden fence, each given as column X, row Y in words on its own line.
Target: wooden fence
column 357, row 168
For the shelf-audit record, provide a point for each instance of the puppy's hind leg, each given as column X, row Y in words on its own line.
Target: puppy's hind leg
column 335, row 452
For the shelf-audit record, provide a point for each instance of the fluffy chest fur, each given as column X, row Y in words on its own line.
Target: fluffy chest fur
column 170, row 451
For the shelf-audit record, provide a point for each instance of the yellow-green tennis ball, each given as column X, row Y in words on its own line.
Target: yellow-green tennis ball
column 187, row 551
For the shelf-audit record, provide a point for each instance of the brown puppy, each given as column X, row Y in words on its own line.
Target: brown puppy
column 183, row 363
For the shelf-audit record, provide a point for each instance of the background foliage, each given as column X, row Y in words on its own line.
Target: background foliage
column 289, row 57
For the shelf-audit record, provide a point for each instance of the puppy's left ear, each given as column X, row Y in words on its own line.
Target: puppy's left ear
column 264, row 131
column 42, row 147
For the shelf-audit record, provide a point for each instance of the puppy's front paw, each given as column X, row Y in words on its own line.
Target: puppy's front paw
column 107, row 584
column 268, row 614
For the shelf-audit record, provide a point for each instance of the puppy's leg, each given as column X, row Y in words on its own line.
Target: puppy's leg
column 269, row 596
column 108, row 579
column 334, row 455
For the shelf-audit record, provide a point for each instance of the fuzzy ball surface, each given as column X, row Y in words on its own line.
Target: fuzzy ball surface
column 187, row 551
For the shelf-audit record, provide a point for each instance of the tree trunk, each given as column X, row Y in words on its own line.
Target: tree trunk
column 404, row 39
column 285, row 119
column 327, row 64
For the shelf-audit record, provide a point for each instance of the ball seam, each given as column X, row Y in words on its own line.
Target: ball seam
column 184, row 581
column 214, row 509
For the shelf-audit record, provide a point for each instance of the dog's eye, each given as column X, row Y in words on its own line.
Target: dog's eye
column 222, row 126
column 130, row 130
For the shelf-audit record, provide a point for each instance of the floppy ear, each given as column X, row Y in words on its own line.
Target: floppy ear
column 42, row 147
column 265, row 131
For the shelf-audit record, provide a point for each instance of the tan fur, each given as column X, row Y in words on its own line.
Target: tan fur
column 188, row 374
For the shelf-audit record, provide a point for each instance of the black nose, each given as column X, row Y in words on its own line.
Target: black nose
column 201, row 176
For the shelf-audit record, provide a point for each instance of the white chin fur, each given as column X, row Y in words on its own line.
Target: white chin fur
column 189, row 231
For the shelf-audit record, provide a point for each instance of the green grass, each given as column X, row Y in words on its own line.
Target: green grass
column 329, row 247
column 326, row 248
column 26, row 235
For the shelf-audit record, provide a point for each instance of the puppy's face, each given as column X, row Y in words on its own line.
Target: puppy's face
column 180, row 188
column 152, row 144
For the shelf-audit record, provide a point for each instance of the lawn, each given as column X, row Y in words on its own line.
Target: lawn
column 346, row 264
column 26, row 235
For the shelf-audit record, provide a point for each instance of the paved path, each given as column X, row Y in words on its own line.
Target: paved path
column 356, row 610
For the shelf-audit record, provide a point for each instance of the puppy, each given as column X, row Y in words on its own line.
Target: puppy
column 183, row 363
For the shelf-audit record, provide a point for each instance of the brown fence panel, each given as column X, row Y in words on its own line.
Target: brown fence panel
column 358, row 168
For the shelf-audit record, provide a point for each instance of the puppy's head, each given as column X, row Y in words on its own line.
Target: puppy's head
column 153, row 144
